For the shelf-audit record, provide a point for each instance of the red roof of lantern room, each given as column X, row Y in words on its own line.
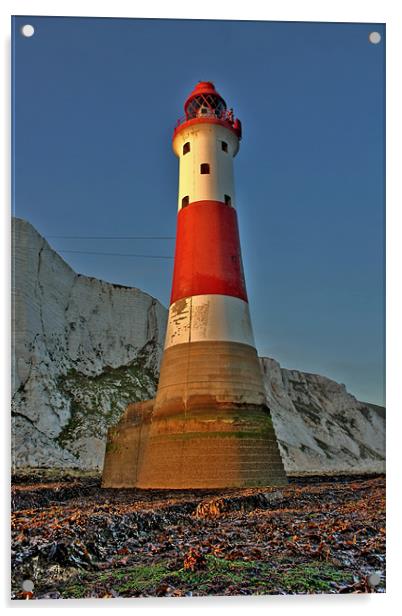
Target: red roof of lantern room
column 225, row 118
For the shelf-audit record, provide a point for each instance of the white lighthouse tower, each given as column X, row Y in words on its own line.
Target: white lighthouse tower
column 209, row 425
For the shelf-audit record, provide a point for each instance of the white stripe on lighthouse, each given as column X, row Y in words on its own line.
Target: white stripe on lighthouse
column 205, row 142
column 202, row 318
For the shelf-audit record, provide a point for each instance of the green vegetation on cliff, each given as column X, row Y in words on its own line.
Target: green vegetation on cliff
column 97, row 402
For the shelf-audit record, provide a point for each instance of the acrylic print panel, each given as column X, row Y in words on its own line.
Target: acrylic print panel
column 198, row 240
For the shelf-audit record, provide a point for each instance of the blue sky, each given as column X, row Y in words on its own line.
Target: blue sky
column 95, row 102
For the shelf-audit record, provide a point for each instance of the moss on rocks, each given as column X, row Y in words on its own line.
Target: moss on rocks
column 97, row 402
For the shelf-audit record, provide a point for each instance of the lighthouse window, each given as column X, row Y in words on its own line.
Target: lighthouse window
column 186, row 147
column 228, row 200
column 224, row 146
column 204, row 168
column 185, row 201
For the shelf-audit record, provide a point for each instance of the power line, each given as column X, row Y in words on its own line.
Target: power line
column 111, row 254
column 112, row 237
column 114, row 254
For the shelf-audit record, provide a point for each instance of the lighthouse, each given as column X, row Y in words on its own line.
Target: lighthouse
column 209, row 425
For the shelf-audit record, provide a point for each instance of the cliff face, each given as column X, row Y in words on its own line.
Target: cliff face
column 320, row 427
column 83, row 349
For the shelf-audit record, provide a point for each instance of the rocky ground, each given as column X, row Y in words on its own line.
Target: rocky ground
column 73, row 539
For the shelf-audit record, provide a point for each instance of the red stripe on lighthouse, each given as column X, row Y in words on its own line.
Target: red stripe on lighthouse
column 208, row 257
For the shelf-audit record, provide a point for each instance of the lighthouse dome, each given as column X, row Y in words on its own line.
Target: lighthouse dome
column 204, row 101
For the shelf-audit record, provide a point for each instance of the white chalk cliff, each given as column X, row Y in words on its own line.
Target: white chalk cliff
column 320, row 427
column 84, row 348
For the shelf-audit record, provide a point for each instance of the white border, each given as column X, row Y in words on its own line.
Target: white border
column 380, row 11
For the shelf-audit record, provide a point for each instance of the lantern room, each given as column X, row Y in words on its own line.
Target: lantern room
column 204, row 101
column 205, row 104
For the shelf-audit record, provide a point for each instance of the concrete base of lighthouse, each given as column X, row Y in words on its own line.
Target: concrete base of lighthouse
column 208, row 448
column 209, row 374
column 208, row 427
column 202, row 451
